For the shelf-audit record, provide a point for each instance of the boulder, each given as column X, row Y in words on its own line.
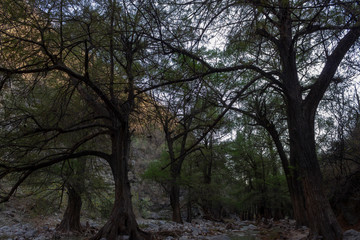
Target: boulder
column 351, row 235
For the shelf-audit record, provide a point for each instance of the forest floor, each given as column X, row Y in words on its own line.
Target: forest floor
column 18, row 221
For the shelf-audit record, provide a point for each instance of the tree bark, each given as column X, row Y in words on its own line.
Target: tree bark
column 321, row 218
column 298, row 200
column 71, row 219
column 175, row 171
column 122, row 221
column 175, row 203
column 207, row 204
column 300, row 117
column 175, row 191
column 292, row 176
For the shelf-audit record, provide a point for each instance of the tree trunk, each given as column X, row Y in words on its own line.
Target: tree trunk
column 321, row 218
column 298, row 200
column 292, row 176
column 175, row 202
column 207, row 204
column 122, row 221
column 71, row 218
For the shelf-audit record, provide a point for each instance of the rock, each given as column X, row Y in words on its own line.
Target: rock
column 230, row 226
column 152, row 227
column 351, row 235
column 40, row 238
column 195, row 231
column 292, row 222
column 154, row 215
column 165, row 214
column 183, row 238
column 9, row 213
column 91, row 224
column 248, row 227
column 19, row 232
column 26, row 226
column 30, row 233
column 219, row 237
column 18, row 225
column 5, row 229
column 45, row 228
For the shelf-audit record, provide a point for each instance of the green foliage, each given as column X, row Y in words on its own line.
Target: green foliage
column 155, row 171
column 259, row 182
column 142, row 205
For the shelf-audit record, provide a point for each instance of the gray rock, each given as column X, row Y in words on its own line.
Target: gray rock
column 219, row 237
column 19, row 232
column 165, row 214
column 5, row 229
column 248, row 227
column 40, row 238
column 351, row 235
column 30, row 233
column 204, row 230
column 45, row 228
column 195, row 231
column 152, row 227
column 26, row 226
column 18, row 225
column 183, row 238
column 154, row 215
column 91, row 223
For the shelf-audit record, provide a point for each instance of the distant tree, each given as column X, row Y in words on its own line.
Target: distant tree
column 179, row 118
column 262, row 187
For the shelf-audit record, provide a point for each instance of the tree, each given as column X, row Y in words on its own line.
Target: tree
column 180, row 118
column 261, row 185
column 95, row 49
column 75, row 186
column 266, row 110
column 297, row 48
column 30, row 126
column 338, row 155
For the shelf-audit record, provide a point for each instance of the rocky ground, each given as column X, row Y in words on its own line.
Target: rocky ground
column 17, row 223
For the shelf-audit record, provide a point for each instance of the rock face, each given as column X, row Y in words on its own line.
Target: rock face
column 148, row 197
column 351, row 235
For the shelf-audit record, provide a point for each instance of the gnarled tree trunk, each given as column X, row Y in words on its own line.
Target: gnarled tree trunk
column 75, row 185
column 321, row 218
column 122, row 221
column 71, row 219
